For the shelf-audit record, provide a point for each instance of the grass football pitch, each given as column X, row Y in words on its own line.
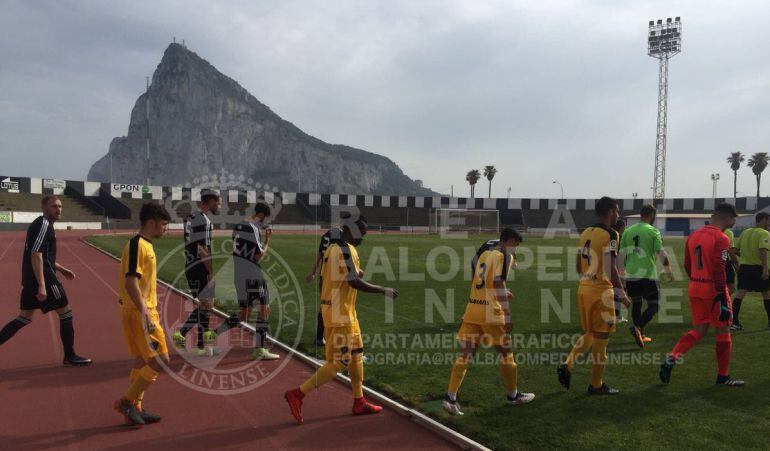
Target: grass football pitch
column 410, row 347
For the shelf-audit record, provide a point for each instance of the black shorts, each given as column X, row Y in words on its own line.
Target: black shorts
column 750, row 279
column 730, row 272
column 252, row 292
column 57, row 298
column 198, row 281
column 648, row 289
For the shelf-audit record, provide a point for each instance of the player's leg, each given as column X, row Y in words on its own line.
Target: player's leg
column 336, row 349
column 24, row 318
column 766, row 302
column 635, row 294
column 361, row 406
column 652, row 297
column 601, row 325
column 193, row 282
column 722, row 351
column 262, row 325
column 701, row 318
column 745, row 276
column 67, row 335
column 509, row 373
column 151, row 352
column 459, row 368
column 581, row 346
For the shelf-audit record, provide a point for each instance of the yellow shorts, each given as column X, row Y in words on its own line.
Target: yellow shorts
column 484, row 334
column 597, row 309
column 138, row 341
column 341, row 342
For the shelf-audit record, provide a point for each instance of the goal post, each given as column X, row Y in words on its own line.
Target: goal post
column 443, row 220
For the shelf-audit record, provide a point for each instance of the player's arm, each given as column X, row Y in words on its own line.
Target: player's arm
column 203, row 255
column 617, row 281
column 131, row 284
column 69, row 275
column 662, row 254
column 763, row 260
column 687, row 261
column 501, row 293
column 354, row 279
column 37, row 269
column 263, row 248
column 735, row 253
column 718, row 260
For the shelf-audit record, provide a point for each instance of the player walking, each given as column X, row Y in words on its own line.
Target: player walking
column 706, row 252
column 640, row 246
column 41, row 288
column 199, row 270
column 344, row 346
column 752, row 247
column 249, row 279
column 138, row 300
column 487, row 320
column 599, row 286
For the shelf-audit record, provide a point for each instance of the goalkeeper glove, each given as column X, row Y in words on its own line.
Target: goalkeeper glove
column 725, row 313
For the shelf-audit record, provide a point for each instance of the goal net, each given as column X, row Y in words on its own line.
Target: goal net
column 443, row 220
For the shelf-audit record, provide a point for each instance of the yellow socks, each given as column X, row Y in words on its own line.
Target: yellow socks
column 356, row 373
column 457, row 375
column 144, row 378
column 322, row 376
column 582, row 346
column 508, row 371
column 598, row 360
column 132, row 378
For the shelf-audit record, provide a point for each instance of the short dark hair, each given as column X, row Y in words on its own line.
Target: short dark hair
column 44, row 201
column 154, row 211
column 647, row 210
column 263, row 208
column 762, row 215
column 726, row 209
column 509, row 233
column 208, row 194
column 605, row 205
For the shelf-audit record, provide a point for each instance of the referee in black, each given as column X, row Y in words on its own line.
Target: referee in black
column 41, row 288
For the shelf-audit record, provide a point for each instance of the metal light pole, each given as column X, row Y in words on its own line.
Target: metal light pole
column 714, row 180
column 560, row 186
column 663, row 42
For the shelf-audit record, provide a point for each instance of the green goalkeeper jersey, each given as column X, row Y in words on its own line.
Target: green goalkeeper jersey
column 640, row 246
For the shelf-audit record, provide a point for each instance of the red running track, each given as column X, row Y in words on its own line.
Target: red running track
column 47, row 406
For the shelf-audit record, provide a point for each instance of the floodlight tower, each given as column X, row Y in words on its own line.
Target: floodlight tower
column 663, row 42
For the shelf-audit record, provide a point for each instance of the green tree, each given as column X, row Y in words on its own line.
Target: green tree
column 735, row 159
column 758, row 163
column 473, row 177
column 489, row 173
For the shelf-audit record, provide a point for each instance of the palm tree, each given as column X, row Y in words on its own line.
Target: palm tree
column 489, row 173
column 735, row 159
column 472, row 177
column 758, row 163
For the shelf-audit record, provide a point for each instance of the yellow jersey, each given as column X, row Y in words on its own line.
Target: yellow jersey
column 338, row 298
column 483, row 307
column 138, row 260
column 598, row 244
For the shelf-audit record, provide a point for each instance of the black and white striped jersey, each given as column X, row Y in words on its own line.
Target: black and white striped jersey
column 40, row 238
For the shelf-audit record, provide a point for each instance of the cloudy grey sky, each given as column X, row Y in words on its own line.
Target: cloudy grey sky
column 543, row 90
